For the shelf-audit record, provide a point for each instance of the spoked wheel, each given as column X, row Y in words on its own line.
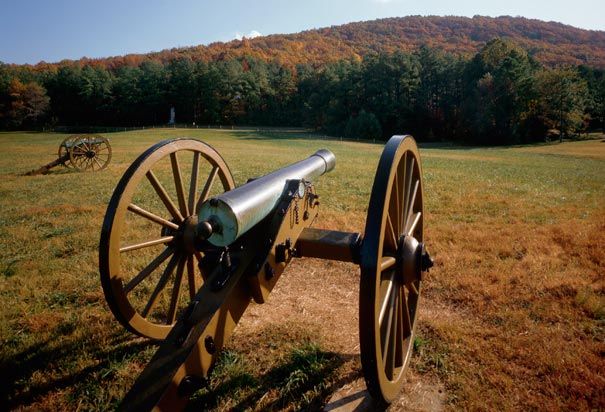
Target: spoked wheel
column 146, row 251
column 89, row 153
column 391, row 263
column 64, row 149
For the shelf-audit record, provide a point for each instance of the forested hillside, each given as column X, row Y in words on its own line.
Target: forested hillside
column 548, row 42
column 436, row 77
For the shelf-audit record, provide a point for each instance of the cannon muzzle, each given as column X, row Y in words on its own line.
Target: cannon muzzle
column 224, row 218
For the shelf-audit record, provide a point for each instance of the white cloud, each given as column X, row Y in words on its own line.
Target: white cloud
column 250, row 35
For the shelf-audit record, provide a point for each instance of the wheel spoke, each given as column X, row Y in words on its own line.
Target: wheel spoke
column 149, row 243
column 391, row 238
column 397, row 203
column 414, row 223
column 408, row 184
column 203, row 274
column 386, row 298
column 403, row 173
column 390, row 309
column 413, row 301
column 407, row 322
column 400, row 350
column 198, row 255
column 97, row 162
column 160, row 286
column 387, row 262
column 150, row 216
column 195, row 169
column 412, row 288
column 159, row 189
column 392, row 344
column 178, row 183
column 206, row 189
column 147, row 270
column 411, row 202
column 193, row 281
column 176, row 291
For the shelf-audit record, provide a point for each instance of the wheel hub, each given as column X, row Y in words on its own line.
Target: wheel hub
column 188, row 230
column 409, row 257
column 90, row 154
column 184, row 236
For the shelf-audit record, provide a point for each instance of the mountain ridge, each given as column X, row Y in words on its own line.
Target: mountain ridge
column 551, row 43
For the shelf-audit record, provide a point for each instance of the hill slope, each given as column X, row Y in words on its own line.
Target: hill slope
column 549, row 42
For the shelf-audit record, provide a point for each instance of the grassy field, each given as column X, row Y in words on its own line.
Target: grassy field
column 512, row 317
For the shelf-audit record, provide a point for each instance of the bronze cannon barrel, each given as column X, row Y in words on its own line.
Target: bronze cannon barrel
column 233, row 213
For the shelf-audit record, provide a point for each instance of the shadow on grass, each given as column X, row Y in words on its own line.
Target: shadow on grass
column 279, row 135
column 55, row 171
column 58, row 352
column 269, row 136
column 301, row 381
column 441, row 145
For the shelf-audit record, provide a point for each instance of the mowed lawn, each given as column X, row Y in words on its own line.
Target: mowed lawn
column 512, row 315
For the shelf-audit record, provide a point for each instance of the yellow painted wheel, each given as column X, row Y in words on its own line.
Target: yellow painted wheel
column 89, row 153
column 391, row 257
column 147, row 258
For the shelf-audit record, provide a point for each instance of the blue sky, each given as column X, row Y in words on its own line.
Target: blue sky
column 31, row 31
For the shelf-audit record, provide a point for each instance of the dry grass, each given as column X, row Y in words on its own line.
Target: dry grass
column 589, row 148
column 512, row 317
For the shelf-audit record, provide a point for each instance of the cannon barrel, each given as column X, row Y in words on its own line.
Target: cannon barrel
column 233, row 213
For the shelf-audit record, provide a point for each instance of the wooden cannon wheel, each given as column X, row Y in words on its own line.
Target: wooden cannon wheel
column 64, row 148
column 88, row 152
column 390, row 268
column 145, row 245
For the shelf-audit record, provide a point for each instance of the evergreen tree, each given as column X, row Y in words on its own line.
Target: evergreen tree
column 563, row 98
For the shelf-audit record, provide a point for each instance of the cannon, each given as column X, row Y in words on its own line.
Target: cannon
column 181, row 258
column 80, row 152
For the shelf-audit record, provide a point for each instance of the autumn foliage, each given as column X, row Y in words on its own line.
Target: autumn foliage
column 483, row 80
column 549, row 43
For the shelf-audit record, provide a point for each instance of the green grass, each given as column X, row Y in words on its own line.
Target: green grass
column 511, row 317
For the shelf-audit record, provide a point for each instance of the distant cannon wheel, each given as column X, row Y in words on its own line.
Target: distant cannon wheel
column 146, row 253
column 391, row 257
column 64, row 149
column 89, row 153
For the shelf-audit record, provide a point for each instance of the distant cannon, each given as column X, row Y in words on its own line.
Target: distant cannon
column 83, row 153
column 230, row 245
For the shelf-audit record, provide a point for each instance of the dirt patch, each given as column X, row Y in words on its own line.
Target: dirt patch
column 325, row 294
column 418, row 394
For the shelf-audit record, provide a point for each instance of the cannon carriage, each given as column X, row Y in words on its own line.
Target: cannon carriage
column 84, row 153
column 181, row 258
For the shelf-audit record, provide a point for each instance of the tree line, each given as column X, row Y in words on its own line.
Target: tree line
column 499, row 96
